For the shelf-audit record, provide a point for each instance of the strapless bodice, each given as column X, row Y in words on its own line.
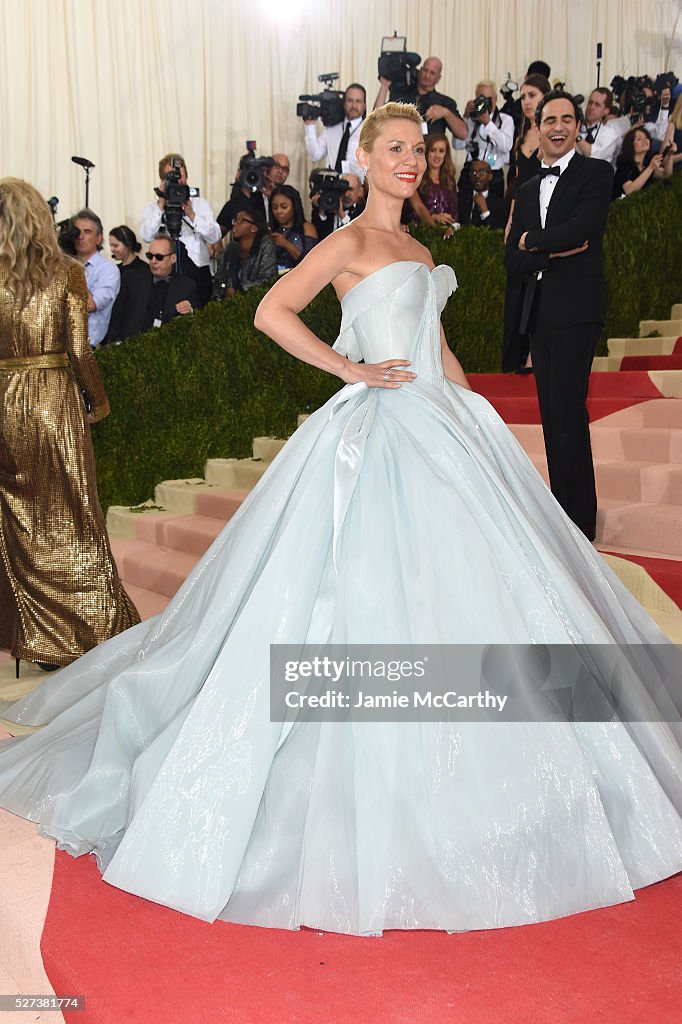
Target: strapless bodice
column 394, row 313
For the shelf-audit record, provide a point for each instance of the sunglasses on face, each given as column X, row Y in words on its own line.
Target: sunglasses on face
column 158, row 255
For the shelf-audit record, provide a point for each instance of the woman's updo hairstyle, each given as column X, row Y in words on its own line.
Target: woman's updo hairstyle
column 374, row 122
column 126, row 236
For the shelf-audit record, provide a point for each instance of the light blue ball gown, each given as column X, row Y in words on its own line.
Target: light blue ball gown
column 409, row 515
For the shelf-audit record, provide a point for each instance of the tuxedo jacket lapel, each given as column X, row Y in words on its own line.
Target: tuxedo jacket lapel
column 562, row 185
column 533, row 212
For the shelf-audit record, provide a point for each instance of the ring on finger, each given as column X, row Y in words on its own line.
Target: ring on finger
column 387, row 374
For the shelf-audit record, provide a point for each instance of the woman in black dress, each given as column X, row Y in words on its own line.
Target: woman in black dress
column 124, row 246
column 524, row 165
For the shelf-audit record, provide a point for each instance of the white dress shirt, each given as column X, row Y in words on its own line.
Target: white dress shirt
column 194, row 236
column 325, row 146
column 103, row 279
column 658, row 128
column 548, row 184
column 607, row 142
column 494, row 143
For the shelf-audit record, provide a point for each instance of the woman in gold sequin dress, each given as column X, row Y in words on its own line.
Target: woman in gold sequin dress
column 60, row 594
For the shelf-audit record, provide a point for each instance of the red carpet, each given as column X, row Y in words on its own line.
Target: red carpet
column 673, row 362
column 515, row 398
column 666, row 572
column 140, row 963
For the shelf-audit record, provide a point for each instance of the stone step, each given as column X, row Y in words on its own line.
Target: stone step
column 606, row 364
column 152, row 568
column 656, row 529
column 663, row 346
column 676, row 311
column 265, row 449
column 663, row 327
column 235, row 473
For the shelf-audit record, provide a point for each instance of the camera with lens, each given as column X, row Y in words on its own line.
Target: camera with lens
column 482, row 105
column 67, row 233
column 327, row 105
column 329, row 186
column 399, row 66
column 253, row 171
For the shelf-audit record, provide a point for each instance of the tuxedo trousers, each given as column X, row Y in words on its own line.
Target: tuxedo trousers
column 562, row 360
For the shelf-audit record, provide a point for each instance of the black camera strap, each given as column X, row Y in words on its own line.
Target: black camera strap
column 497, row 121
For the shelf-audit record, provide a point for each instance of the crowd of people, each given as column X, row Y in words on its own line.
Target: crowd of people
column 262, row 230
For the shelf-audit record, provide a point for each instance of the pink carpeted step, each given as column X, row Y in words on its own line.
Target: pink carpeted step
column 147, row 602
column 643, row 527
column 191, row 534
column 629, row 480
column 529, row 436
column 661, row 412
column 150, row 567
column 220, row 503
column 643, row 444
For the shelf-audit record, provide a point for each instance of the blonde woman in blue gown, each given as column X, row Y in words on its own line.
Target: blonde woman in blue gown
column 402, row 511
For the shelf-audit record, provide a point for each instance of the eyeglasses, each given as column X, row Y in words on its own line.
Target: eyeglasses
column 480, row 172
column 282, row 167
column 243, row 220
column 158, row 256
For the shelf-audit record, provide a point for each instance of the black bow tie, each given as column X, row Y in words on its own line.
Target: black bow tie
column 544, row 171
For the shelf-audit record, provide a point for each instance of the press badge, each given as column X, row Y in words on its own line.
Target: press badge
column 157, row 322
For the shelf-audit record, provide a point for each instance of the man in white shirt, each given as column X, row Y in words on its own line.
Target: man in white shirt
column 338, row 143
column 199, row 227
column 490, row 137
column 598, row 137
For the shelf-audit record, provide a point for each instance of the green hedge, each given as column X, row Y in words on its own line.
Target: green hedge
column 206, row 385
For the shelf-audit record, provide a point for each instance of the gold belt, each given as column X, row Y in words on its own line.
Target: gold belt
column 48, row 362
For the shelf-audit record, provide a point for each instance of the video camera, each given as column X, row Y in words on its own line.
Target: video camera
column 398, row 65
column 327, row 104
column 330, row 187
column 666, row 80
column 176, row 195
column 67, row 233
column 253, row 169
column 633, row 100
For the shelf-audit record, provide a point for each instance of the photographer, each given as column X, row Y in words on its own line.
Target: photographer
column 198, row 229
column 438, row 110
column 250, row 191
column 249, row 259
column 490, row 137
column 598, row 138
column 338, row 143
column 350, row 205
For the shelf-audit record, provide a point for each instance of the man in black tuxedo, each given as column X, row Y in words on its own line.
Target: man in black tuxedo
column 155, row 298
column 485, row 209
column 556, row 240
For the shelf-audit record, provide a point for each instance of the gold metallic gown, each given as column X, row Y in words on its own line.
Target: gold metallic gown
column 60, row 594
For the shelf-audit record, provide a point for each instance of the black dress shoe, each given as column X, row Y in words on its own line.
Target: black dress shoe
column 46, row 667
column 523, row 371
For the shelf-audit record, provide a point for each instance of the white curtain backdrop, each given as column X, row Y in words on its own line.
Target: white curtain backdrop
column 124, row 81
